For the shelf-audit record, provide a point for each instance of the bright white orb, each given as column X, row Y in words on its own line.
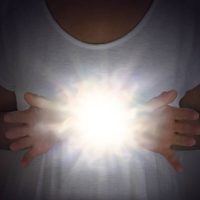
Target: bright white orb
column 103, row 118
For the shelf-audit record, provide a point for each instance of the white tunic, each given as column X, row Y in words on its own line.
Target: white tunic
column 36, row 55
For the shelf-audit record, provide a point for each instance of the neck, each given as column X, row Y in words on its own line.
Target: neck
column 98, row 21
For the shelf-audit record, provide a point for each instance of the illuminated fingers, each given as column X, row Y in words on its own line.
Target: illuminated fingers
column 35, row 151
column 36, row 100
column 17, row 132
column 22, row 143
column 42, row 103
column 29, row 156
column 165, row 150
column 162, row 100
column 16, row 117
column 185, row 114
column 182, row 140
column 172, row 159
column 187, row 128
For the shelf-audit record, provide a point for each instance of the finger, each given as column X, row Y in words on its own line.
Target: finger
column 182, row 140
column 163, row 99
column 187, row 128
column 22, row 143
column 42, row 103
column 29, row 156
column 172, row 159
column 17, row 132
column 185, row 114
column 16, row 117
column 36, row 100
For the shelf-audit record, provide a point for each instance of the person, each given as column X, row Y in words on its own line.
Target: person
column 45, row 45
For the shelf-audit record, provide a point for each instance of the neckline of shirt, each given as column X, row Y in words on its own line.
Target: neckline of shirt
column 108, row 45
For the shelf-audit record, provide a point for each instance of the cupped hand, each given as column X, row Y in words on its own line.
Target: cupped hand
column 165, row 126
column 40, row 127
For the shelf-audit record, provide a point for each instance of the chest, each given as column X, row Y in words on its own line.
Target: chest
column 153, row 57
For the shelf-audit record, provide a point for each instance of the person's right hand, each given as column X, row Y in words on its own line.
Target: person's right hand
column 40, row 128
column 163, row 126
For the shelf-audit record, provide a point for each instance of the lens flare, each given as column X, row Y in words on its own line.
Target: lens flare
column 102, row 117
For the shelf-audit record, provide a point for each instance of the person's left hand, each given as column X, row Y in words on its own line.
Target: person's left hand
column 163, row 126
column 41, row 130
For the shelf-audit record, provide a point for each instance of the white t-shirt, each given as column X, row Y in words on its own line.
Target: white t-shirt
column 36, row 55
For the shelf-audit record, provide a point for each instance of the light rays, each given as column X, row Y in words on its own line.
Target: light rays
column 102, row 115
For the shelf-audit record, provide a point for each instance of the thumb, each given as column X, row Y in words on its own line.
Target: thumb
column 36, row 100
column 163, row 99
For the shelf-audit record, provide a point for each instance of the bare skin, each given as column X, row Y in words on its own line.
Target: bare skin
column 103, row 21
column 191, row 99
column 38, row 127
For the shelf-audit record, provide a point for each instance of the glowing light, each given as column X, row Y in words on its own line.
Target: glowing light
column 102, row 117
